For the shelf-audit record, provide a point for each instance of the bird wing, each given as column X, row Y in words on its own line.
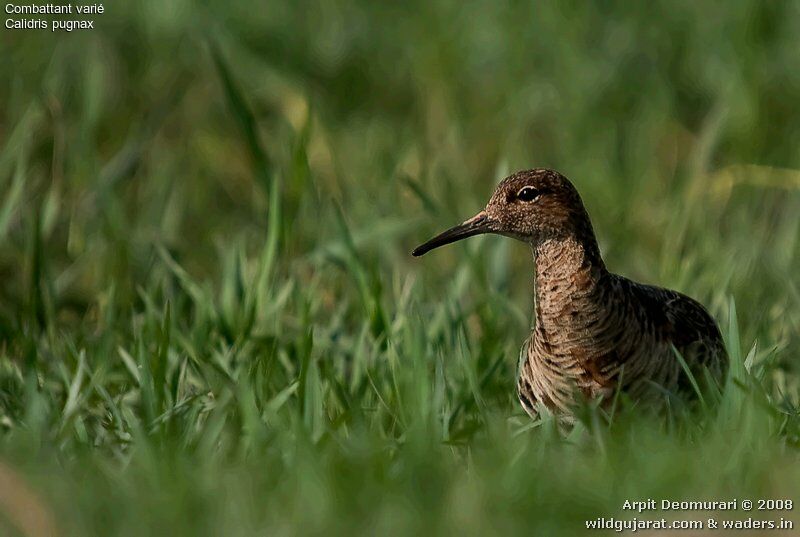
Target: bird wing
column 684, row 323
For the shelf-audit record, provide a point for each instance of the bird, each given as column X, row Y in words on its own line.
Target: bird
column 595, row 333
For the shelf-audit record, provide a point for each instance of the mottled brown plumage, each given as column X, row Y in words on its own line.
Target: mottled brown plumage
column 595, row 332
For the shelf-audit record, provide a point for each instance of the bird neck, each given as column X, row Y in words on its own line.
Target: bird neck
column 569, row 276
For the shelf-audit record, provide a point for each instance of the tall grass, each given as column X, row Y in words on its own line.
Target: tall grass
column 210, row 321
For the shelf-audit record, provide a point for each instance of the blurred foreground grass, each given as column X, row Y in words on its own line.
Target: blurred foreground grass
column 210, row 322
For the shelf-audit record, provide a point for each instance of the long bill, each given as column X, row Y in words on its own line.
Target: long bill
column 477, row 225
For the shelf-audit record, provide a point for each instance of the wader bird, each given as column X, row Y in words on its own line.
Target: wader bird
column 595, row 332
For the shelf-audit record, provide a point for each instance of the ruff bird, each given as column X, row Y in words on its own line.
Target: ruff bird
column 595, row 332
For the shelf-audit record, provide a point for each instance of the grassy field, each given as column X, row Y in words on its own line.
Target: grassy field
column 210, row 323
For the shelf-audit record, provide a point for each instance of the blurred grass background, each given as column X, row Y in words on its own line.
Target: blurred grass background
column 210, row 320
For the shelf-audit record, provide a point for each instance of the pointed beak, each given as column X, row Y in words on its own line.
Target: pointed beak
column 477, row 225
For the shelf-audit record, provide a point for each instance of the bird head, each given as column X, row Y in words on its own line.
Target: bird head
column 531, row 206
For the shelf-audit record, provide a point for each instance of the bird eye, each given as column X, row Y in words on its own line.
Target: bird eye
column 528, row 194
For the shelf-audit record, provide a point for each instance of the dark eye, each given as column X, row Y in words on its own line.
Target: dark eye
column 528, row 194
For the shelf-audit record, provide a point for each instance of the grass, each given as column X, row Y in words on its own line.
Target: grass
column 210, row 320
